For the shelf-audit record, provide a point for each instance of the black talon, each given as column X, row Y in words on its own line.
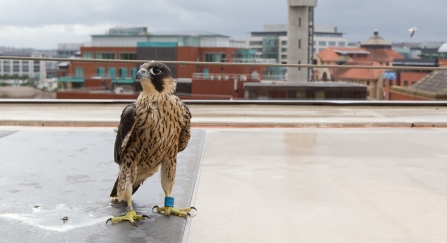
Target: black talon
column 134, row 224
column 193, row 208
column 145, row 216
column 188, row 214
column 154, row 207
column 108, row 220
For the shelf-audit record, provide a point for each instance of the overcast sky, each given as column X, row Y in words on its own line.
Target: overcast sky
column 42, row 24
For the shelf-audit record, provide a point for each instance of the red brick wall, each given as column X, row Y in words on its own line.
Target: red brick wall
column 187, row 54
column 218, row 87
column 410, row 77
column 442, row 62
column 90, row 67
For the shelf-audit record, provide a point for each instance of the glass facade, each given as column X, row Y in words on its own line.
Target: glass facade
column 270, row 47
column 255, row 43
column 215, row 57
column 105, row 55
column 88, row 55
column 128, row 56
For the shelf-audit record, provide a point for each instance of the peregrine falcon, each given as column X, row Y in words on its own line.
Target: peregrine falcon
column 151, row 132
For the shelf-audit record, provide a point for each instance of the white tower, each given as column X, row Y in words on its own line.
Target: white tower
column 300, row 38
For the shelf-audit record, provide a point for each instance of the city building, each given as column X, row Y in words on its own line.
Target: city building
column 272, row 41
column 138, row 44
column 34, row 70
column 375, row 51
column 431, row 87
column 304, row 91
column 405, row 78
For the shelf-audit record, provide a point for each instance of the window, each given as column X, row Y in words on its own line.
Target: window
column 36, row 69
column 6, row 66
column 284, row 56
column 111, row 73
column 105, row 55
column 25, row 68
column 88, row 55
column 79, row 72
column 284, row 49
column 122, row 72
column 255, row 43
column 16, row 66
column 100, row 72
column 283, row 42
column 332, row 43
column 220, row 57
column 314, row 42
column 128, row 56
column 299, row 22
column 405, row 83
column 133, row 72
column 341, row 43
column 320, row 49
column 299, row 43
column 322, row 43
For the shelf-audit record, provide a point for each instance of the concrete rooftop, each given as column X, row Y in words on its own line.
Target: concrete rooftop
column 374, row 180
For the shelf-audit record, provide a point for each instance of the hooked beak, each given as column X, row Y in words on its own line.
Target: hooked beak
column 142, row 73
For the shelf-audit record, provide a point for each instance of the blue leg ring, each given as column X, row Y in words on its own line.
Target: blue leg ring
column 169, row 202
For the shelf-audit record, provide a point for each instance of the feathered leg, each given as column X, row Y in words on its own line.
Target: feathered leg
column 126, row 179
column 168, row 168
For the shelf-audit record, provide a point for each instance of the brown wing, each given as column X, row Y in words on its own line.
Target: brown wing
column 185, row 134
column 124, row 132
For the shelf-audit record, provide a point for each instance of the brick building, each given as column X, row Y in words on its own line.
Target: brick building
column 375, row 51
column 138, row 44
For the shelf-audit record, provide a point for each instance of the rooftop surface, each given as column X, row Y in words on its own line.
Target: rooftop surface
column 377, row 179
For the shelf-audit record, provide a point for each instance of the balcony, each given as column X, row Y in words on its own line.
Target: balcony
column 359, row 161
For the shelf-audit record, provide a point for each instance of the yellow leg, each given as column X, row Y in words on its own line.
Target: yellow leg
column 131, row 215
column 182, row 212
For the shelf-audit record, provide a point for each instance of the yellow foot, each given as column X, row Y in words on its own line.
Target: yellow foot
column 182, row 212
column 131, row 216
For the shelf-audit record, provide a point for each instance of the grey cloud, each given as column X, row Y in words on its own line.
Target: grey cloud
column 236, row 18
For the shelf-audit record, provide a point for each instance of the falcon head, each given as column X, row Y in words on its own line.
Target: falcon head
column 155, row 77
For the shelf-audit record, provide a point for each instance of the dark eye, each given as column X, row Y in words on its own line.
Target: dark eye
column 155, row 70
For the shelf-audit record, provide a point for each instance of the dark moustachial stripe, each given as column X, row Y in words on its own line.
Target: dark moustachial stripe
column 158, row 84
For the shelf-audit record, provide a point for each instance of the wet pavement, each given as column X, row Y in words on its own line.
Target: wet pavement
column 322, row 185
column 249, row 185
column 49, row 174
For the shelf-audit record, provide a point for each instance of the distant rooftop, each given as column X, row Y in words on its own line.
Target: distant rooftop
column 376, row 41
column 142, row 31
